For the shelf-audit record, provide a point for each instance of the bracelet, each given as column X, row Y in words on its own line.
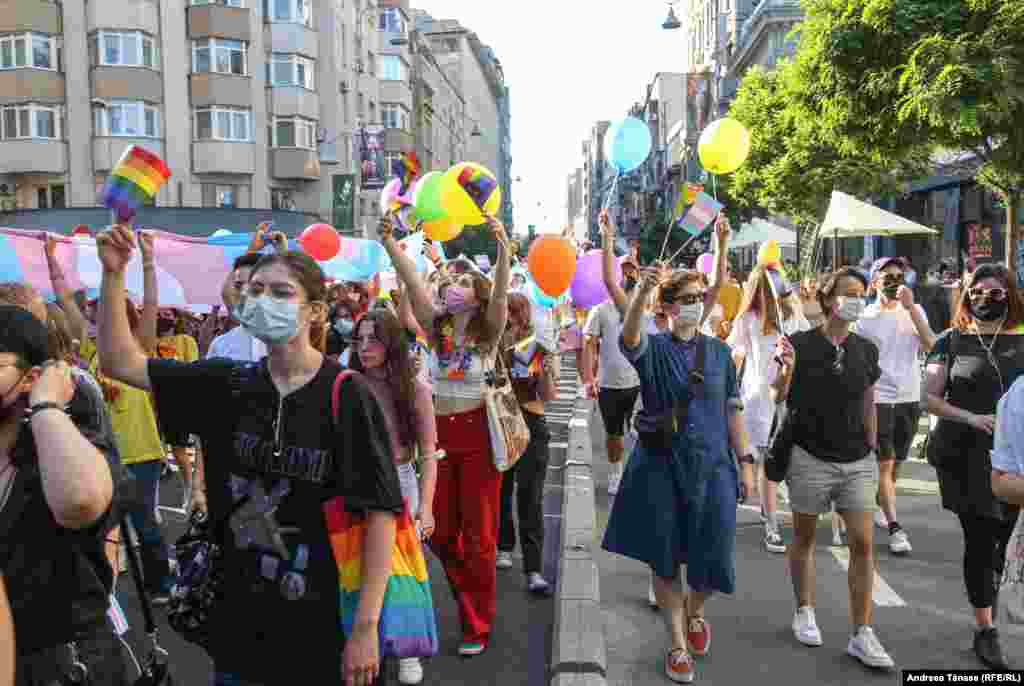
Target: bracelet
column 42, row 407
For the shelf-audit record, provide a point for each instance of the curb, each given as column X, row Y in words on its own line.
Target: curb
column 579, row 656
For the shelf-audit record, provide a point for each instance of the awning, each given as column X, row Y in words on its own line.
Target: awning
column 760, row 231
column 848, row 217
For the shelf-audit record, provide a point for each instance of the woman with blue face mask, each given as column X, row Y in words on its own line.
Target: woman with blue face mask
column 277, row 450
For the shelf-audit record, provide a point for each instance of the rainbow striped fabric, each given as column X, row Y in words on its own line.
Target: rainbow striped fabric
column 408, row 627
column 133, row 182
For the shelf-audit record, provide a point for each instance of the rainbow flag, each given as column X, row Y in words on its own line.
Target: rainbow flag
column 478, row 185
column 407, row 168
column 134, row 181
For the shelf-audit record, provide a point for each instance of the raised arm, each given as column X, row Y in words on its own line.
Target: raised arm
column 608, row 262
column 76, row 320
column 921, row 325
column 722, row 233
column 119, row 353
column 497, row 308
column 632, row 327
column 415, row 288
column 150, row 295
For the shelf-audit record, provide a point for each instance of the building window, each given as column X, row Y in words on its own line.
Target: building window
column 282, row 199
column 392, row 68
column 294, row 132
column 33, row 50
column 391, row 20
column 291, row 70
column 219, row 56
column 394, row 116
column 290, row 11
column 390, row 160
column 50, row 197
column 136, row 119
column 124, row 48
column 223, row 124
column 30, row 121
column 216, row 195
column 226, row 3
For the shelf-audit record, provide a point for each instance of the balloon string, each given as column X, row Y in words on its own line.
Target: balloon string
column 668, row 232
column 714, row 186
column 677, row 252
column 611, row 191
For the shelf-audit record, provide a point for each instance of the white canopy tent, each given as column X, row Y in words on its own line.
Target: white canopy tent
column 848, row 217
column 759, row 231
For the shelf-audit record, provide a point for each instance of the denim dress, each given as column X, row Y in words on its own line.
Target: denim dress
column 677, row 504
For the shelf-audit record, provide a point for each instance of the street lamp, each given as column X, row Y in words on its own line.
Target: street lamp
column 672, row 21
column 476, row 131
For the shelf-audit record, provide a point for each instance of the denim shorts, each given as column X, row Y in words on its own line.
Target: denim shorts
column 814, row 485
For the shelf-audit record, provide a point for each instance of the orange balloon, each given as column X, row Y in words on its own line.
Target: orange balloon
column 320, row 241
column 552, row 263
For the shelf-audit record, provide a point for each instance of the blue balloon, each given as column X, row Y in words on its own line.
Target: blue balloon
column 220, row 232
column 540, row 297
column 627, row 144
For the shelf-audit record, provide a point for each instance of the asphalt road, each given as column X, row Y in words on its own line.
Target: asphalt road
column 921, row 612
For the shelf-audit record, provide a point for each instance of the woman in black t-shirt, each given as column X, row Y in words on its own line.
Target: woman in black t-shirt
column 828, row 380
column 970, row 368
column 276, row 454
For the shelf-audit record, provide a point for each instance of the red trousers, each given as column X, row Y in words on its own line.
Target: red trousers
column 467, row 505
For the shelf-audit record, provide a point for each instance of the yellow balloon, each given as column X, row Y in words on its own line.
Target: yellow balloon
column 443, row 229
column 769, row 253
column 458, row 203
column 723, row 146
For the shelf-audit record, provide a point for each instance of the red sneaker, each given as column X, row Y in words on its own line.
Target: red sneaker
column 698, row 635
column 679, row 666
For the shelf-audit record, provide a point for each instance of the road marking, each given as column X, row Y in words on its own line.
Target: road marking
column 883, row 595
column 918, row 486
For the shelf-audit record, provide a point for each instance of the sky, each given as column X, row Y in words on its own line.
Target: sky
column 568, row 64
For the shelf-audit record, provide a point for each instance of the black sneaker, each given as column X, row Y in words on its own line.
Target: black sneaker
column 988, row 649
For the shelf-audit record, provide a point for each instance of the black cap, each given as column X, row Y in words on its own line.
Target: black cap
column 23, row 335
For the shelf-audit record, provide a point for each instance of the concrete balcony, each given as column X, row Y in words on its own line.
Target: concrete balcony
column 293, row 101
column 107, row 150
column 397, row 139
column 294, row 163
column 770, row 16
column 127, row 83
column 31, row 85
column 33, row 157
column 29, row 15
column 292, row 38
column 219, row 21
column 221, row 89
column 219, row 157
column 142, row 15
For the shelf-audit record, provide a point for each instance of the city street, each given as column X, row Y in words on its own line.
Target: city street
column 921, row 611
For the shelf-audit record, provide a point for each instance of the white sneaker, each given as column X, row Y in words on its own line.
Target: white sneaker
column 880, row 521
column 805, row 627
column 504, row 560
column 866, row 647
column 410, row 671
column 773, row 542
column 614, row 478
column 652, row 599
column 899, row 543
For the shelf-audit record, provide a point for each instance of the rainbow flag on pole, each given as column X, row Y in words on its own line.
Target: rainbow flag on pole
column 134, row 181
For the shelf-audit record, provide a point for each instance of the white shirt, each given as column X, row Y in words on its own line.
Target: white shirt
column 237, row 345
column 613, row 369
column 1008, row 443
column 894, row 333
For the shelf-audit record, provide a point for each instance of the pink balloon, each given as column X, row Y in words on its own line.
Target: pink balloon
column 407, row 199
column 389, row 195
column 587, row 288
column 706, row 263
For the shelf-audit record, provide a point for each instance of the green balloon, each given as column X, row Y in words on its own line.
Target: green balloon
column 428, row 198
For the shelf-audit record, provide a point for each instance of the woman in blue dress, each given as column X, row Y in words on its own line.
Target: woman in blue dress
column 677, row 501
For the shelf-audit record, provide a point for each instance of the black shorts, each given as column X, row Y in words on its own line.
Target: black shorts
column 616, row 405
column 897, row 426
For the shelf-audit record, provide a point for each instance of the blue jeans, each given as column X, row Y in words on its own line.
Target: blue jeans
column 155, row 566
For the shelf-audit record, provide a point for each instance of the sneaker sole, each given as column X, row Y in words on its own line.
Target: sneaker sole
column 901, row 551
column 775, row 548
column 809, row 642
column 867, row 662
column 471, row 652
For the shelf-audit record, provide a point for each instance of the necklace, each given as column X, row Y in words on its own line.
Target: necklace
column 989, row 351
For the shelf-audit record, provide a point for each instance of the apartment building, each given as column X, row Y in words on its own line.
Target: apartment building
column 252, row 103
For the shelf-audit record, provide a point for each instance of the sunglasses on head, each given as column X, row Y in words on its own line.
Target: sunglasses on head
column 672, row 297
column 996, row 294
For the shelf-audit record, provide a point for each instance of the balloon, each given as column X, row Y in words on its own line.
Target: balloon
column 468, row 190
column 320, row 241
column 410, row 194
column 723, row 146
column 443, row 229
column 389, row 195
column 538, row 296
column 769, row 254
column 220, row 232
column 588, row 287
column 706, row 263
column 427, row 197
column 627, row 144
column 82, row 230
column 552, row 263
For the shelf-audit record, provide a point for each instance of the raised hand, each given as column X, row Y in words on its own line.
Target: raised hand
column 49, row 244
column 115, row 246
column 723, row 230
column 54, row 384
column 499, row 230
column 146, row 246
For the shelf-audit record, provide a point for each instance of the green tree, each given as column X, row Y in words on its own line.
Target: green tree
column 473, row 241
column 946, row 76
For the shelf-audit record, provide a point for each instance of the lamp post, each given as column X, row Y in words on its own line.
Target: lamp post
column 672, row 22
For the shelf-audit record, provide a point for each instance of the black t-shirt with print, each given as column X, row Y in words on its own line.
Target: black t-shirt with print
column 829, row 407
column 58, row 580
column 288, row 458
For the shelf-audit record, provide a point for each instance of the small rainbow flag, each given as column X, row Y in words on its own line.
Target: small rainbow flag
column 407, row 168
column 478, row 185
column 133, row 182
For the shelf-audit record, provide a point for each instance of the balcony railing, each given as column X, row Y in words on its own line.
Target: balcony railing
column 764, row 9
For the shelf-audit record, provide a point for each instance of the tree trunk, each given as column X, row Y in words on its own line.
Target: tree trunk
column 1012, row 199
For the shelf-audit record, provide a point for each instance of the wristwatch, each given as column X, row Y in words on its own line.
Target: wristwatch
column 33, row 410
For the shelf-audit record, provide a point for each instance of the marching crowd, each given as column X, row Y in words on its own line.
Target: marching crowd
column 297, row 393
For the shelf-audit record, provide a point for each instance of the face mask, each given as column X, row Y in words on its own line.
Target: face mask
column 849, row 309
column 90, row 330
column 8, row 411
column 988, row 310
column 344, row 327
column 164, row 327
column 458, row 300
column 689, row 314
column 269, row 320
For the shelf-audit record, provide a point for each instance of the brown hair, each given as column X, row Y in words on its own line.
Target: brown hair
column 678, row 279
column 963, row 318
column 827, row 287
column 20, row 294
column 757, row 294
column 400, row 373
column 477, row 327
column 61, row 345
column 520, row 304
column 310, row 276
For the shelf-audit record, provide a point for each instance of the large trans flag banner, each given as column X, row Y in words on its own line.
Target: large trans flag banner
column 190, row 270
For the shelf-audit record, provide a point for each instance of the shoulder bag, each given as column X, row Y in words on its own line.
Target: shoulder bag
column 408, row 625
column 932, row 447
column 664, row 427
column 509, row 434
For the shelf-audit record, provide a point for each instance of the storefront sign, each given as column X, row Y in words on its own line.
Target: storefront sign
column 370, row 142
column 979, row 240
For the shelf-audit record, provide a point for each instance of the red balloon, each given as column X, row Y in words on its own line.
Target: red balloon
column 320, row 241
column 81, row 230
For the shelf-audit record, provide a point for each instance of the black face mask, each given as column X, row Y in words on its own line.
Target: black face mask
column 165, row 327
column 7, row 411
column 988, row 310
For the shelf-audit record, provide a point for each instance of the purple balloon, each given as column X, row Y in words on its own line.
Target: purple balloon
column 587, row 288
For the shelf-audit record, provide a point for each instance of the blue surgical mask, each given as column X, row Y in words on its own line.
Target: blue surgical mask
column 271, row 321
column 344, row 327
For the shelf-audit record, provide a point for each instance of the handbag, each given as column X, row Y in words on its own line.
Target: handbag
column 509, row 434
column 931, row 448
column 657, row 433
column 780, row 445
column 1010, row 600
column 407, row 626
column 154, row 670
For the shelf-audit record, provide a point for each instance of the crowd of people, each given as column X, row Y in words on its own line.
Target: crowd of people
column 714, row 395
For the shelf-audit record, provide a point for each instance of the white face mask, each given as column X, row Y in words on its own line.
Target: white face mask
column 849, row 309
column 271, row 321
column 690, row 314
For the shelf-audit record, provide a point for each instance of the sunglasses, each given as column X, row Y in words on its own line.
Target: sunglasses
column 669, row 298
column 994, row 294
